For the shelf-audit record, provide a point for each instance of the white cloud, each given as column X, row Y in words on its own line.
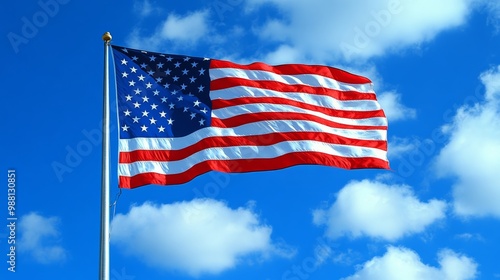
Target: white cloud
column 176, row 30
column 196, row 237
column 493, row 8
column 283, row 55
column 398, row 147
column 491, row 81
column 185, row 29
column 472, row 155
column 374, row 209
column 40, row 237
column 322, row 252
column 470, row 236
column 402, row 263
column 144, row 8
column 328, row 30
column 393, row 108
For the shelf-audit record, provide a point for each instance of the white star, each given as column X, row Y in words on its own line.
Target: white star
column 183, row 86
column 206, row 58
column 136, row 104
column 197, row 103
column 125, row 50
column 131, row 83
column 141, row 77
column 152, row 58
column 154, row 106
column 127, row 112
column 169, row 58
column 170, row 121
column 136, row 119
column 159, row 79
column 124, row 75
column 194, row 64
column 161, row 129
column 137, row 91
column 202, row 122
column 204, row 110
column 180, row 98
column 129, row 97
column 200, row 88
column 125, row 127
column 163, row 100
column 167, row 72
column 171, row 105
column 175, row 78
column 151, row 72
column 185, row 72
column 133, row 70
column 163, row 114
column 134, row 58
column 145, row 113
column 152, row 120
column 160, row 65
column 156, row 92
column 145, row 99
column 202, row 71
column 167, row 85
column 177, row 64
column 149, row 85
column 192, row 79
column 144, row 128
column 193, row 115
column 187, row 58
column 174, row 92
column 144, row 65
column 124, row 62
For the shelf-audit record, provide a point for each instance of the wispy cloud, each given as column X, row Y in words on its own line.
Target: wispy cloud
column 40, row 237
column 398, row 147
column 327, row 30
column 493, row 8
column 394, row 108
column 144, row 8
column 175, row 30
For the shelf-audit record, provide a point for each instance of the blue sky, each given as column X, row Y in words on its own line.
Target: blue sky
column 435, row 67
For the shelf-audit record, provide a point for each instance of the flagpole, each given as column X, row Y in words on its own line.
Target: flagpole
column 104, row 243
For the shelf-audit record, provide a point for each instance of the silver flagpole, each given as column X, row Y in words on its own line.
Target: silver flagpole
column 104, row 244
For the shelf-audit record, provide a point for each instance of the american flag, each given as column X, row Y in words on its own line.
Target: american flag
column 182, row 116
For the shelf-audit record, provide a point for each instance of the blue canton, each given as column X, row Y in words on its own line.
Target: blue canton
column 161, row 95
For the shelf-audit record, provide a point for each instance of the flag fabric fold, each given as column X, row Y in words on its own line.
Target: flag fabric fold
column 182, row 116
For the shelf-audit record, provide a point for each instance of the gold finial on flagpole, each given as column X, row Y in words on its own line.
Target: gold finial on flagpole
column 106, row 37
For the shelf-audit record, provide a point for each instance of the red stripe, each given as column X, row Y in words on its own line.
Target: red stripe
column 221, row 103
column 224, row 83
column 253, row 140
column 250, row 165
column 296, row 69
column 270, row 116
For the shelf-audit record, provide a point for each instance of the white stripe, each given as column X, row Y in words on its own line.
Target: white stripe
column 257, row 128
column 248, row 152
column 309, row 98
column 300, row 79
column 232, row 111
